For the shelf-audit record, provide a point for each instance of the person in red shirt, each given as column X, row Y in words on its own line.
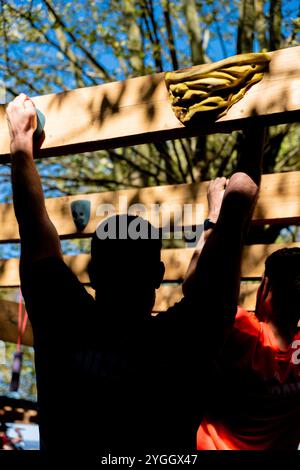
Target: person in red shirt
column 254, row 396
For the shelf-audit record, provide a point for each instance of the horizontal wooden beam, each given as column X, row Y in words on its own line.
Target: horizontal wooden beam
column 166, row 296
column 138, row 110
column 176, row 261
column 253, row 262
column 279, row 201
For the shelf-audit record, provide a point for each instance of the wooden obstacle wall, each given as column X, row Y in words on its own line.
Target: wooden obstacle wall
column 279, row 202
column 138, row 111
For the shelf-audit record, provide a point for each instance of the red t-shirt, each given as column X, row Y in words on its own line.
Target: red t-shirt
column 257, row 405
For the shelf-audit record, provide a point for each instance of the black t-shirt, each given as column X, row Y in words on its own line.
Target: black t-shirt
column 107, row 385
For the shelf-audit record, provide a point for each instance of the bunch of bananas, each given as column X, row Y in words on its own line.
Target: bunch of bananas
column 215, row 87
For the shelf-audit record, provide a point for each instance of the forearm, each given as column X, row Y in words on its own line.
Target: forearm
column 230, row 231
column 249, row 166
column 215, row 191
column 38, row 235
column 189, row 277
column 28, row 197
column 217, row 271
column 218, row 267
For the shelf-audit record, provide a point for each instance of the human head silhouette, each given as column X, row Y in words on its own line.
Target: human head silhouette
column 126, row 266
column 278, row 298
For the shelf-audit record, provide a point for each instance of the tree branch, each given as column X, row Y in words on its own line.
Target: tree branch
column 171, row 42
column 73, row 61
column 89, row 56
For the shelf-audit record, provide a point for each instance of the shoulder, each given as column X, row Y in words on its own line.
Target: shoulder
column 51, row 268
column 243, row 339
column 246, row 322
column 175, row 313
column 246, row 330
column 55, row 300
column 50, row 278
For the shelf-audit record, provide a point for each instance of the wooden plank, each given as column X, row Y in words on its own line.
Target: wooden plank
column 138, row 111
column 176, row 263
column 254, row 256
column 248, row 294
column 253, row 262
column 166, row 296
column 279, row 201
column 9, row 270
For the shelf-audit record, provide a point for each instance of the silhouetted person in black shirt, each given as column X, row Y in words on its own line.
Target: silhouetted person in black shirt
column 131, row 380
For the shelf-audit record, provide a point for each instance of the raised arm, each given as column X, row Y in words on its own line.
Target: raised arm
column 39, row 238
column 213, row 281
column 215, row 193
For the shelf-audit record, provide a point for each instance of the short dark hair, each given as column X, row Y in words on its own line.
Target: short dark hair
column 283, row 271
column 149, row 247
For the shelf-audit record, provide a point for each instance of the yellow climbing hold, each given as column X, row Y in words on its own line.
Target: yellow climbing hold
column 215, row 87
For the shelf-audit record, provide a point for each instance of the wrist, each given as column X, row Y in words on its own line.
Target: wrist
column 22, row 145
column 208, row 225
column 213, row 216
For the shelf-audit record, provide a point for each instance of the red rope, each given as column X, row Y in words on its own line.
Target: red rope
column 21, row 323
